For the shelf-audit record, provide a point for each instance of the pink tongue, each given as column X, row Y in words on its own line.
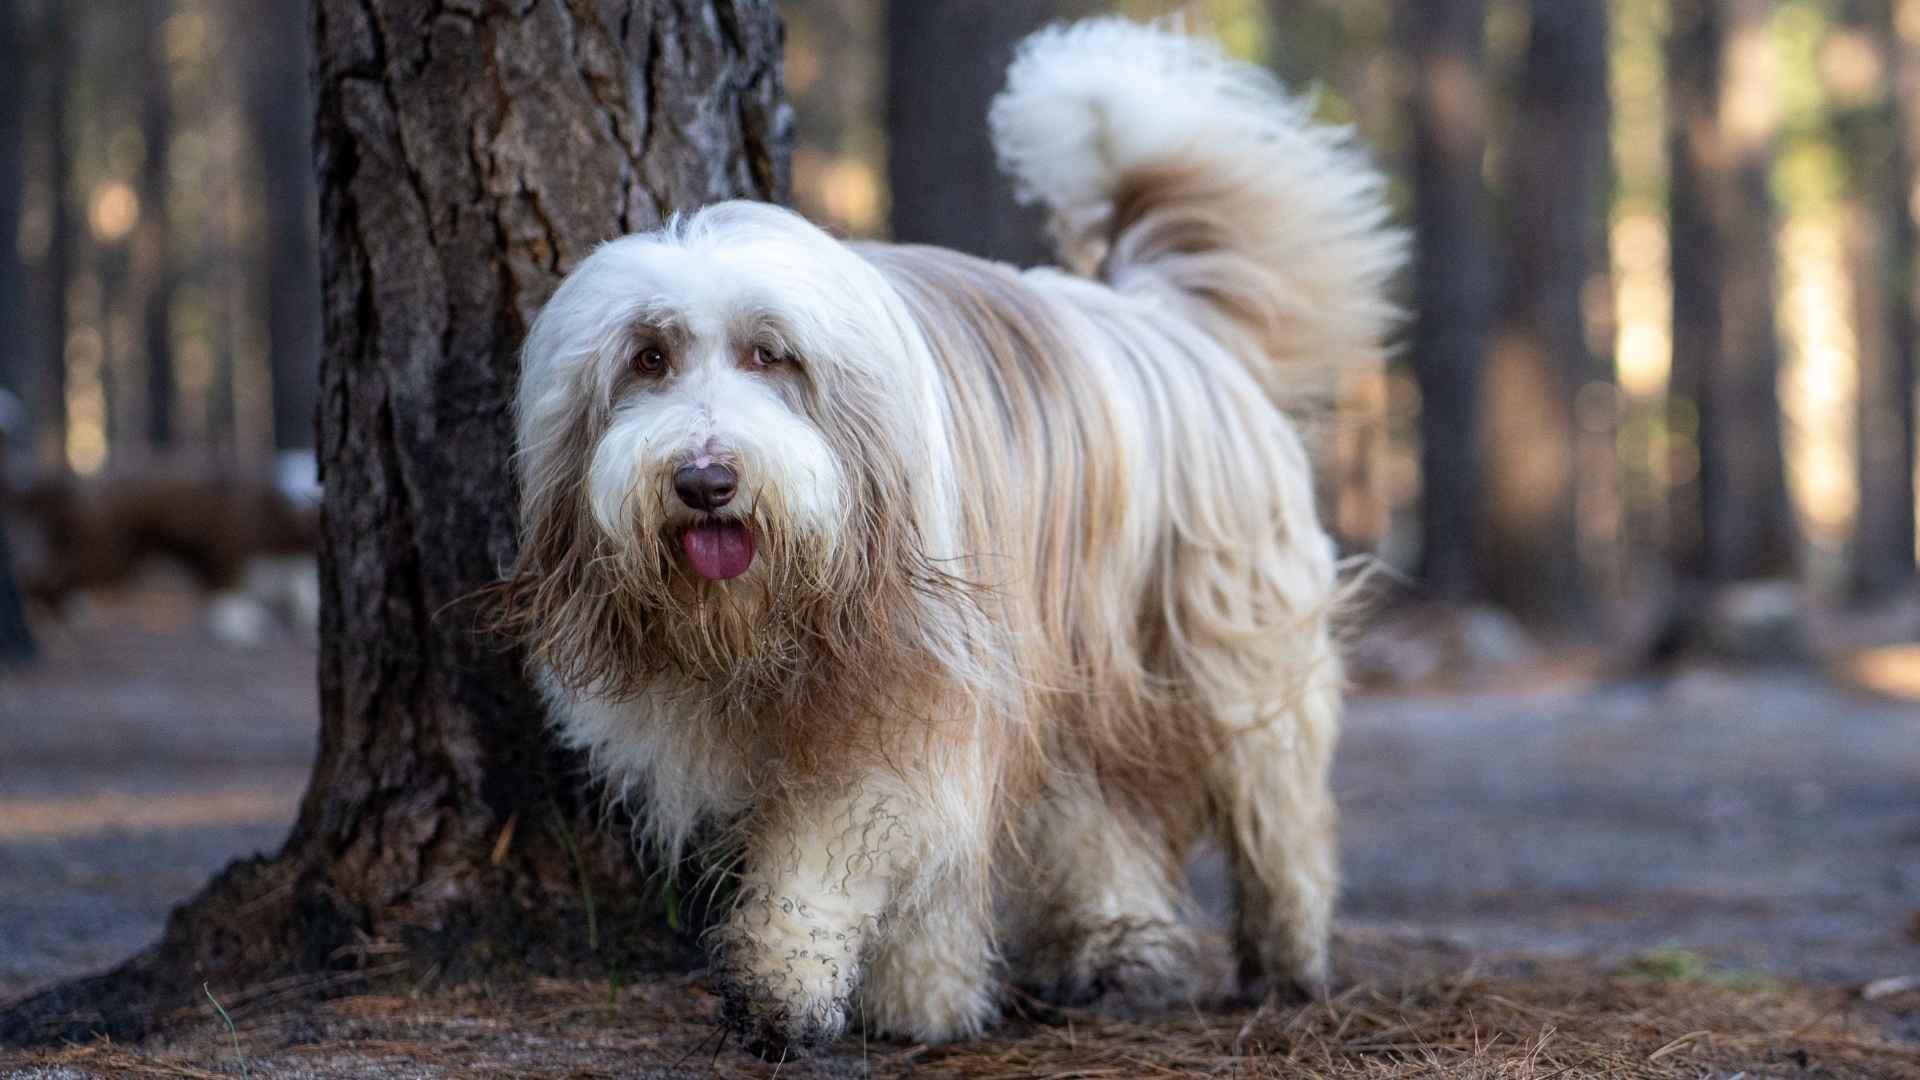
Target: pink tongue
column 718, row 549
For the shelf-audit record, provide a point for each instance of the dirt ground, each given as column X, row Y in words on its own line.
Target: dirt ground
column 1716, row 857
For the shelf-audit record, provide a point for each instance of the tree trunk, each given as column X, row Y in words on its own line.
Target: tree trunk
column 16, row 365
column 1453, row 280
column 123, row 398
column 57, row 58
column 1730, row 516
column 465, row 163
column 224, row 289
column 1332, row 51
column 1531, row 445
column 152, row 254
column 16, row 637
column 945, row 61
column 281, row 110
column 1870, row 124
column 16, row 436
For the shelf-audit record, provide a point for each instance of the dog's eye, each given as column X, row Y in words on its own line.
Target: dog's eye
column 650, row 361
column 766, row 358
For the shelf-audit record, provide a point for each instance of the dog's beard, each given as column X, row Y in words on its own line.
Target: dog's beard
column 611, row 614
column 825, row 630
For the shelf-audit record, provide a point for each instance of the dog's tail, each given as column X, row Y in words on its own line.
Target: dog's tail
column 1170, row 168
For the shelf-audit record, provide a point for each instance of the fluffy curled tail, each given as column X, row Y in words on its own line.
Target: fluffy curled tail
column 1170, row 168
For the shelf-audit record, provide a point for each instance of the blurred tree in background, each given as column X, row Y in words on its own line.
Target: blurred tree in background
column 1869, row 73
column 151, row 240
column 16, row 361
column 279, row 105
column 1453, row 288
column 16, row 638
column 1661, row 324
column 1730, row 520
column 945, row 61
column 166, row 230
column 1544, row 386
column 54, row 245
column 1659, row 347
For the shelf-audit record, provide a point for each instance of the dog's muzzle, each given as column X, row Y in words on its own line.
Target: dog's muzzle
column 716, row 549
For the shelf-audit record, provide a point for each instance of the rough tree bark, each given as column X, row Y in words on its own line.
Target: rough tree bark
column 1452, row 278
column 945, row 61
column 468, row 156
column 152, row 247
column 1529, row 554
column 1730, row 518
column 280, row 109
column 1872, row 118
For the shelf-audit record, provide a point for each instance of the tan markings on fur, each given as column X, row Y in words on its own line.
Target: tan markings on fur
column 1066, row 565
column 1188, row 224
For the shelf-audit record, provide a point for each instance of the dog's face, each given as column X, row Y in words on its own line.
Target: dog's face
column 712, row 440
column 717, row 431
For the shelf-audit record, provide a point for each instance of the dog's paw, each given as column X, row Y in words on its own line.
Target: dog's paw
column 780, row 1024
column 1284, row 973
column 1140, row 965
column 913, row 997
column 783, row 997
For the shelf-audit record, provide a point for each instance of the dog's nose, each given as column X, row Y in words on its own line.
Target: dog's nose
column 704, row 487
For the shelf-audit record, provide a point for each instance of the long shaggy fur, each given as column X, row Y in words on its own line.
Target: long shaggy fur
column 1039, row 598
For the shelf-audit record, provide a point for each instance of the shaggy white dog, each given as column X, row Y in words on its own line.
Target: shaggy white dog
column 952, row 604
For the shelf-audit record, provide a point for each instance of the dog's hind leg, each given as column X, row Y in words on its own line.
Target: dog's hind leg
column 1102, row 906
column 1270, row 782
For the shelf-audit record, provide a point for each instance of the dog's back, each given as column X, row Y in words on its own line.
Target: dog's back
column 1109, row 450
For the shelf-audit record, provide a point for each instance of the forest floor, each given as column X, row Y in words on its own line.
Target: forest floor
column 1704, row 873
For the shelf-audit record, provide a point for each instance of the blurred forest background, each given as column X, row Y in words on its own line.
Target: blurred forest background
column 1654, row 398
column 1663, row 304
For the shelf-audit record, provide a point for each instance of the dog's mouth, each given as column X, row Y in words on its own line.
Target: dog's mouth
column 718, row 549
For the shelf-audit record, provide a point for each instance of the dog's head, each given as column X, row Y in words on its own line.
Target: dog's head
column 725, row 438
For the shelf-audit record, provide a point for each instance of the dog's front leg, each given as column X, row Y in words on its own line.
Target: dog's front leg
column 817, row 881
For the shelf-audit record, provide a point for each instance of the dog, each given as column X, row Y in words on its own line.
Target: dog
column 230, row 530
column 948, row 606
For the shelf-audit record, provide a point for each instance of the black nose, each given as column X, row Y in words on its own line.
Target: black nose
column 704, row 487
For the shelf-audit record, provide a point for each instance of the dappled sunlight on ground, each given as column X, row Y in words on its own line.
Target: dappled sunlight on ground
column 73, row 815
column 1893, row 670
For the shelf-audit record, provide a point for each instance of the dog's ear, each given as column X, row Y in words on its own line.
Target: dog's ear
column 551, row 563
